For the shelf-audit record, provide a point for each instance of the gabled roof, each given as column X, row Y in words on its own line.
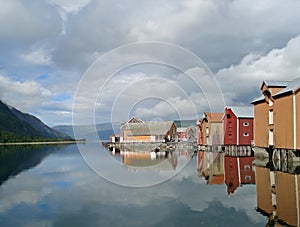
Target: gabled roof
column 261, row 98
column 293, row 86
column 287, row 85
column 148, row 128
column 214, row 117
column 242, row 111
column 135, row 120
column 275, row 83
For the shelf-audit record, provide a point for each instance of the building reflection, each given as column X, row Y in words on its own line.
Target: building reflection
column 211, row 167
column 218, row 168
column 238, row 171
column 278, row 192
column 162, row 160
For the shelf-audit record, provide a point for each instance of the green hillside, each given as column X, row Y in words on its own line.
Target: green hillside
column 14, row 127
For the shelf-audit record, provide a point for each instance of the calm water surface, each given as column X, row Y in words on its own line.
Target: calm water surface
column 53, row 186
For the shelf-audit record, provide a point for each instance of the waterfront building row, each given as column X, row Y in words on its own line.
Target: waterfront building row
column 272, row 122
column 232, row 127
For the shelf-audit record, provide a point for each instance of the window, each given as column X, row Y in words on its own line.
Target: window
column 270, row 102
column 248, row 178
column 246, row 134
column 271, row 137
column 246, row 123
column 271, row 119
column 228, row 116
column 247, row 167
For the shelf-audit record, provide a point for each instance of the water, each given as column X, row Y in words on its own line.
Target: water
column 53, row 186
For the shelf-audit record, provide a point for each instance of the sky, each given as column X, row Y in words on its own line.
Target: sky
column 85, row 61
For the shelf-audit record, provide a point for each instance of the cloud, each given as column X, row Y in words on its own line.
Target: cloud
column 70, row 6
column 63, row 38
column 277, row 64
column 30, row 91
column 22, row 24
column 39, row 56
column 32, row 97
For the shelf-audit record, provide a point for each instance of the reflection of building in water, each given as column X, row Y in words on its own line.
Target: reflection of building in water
column 278, row 195
column 161, row 160
column 211, row 166
column 238, row 171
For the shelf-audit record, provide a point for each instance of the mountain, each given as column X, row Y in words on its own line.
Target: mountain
column 38, row 125
column 17, row 126
column 103, row 131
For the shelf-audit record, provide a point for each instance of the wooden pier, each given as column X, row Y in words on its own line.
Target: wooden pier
column 229, row 150
column 142, row 146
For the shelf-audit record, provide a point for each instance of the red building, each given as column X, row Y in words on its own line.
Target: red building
column 238, row 171
column 238, row 125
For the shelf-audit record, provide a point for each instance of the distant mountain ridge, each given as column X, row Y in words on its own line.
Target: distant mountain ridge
column 103, row 131
column 18, row 126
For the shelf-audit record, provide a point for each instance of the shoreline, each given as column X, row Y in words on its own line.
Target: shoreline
column 44, row 142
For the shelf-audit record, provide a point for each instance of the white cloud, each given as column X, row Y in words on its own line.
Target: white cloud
column 38, row 56
column 64, row 37
column 70, row 6
column 31, row 97
column 23, row 95
column 172, row 19
column 21, row 23
column 278, row 64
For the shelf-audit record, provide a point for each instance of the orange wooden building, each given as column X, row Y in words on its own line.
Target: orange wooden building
column 210, row 129
column 277, row 115
column 136, row 130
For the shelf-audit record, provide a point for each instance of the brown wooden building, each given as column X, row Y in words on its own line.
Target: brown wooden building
column 210, row 129
column 277, row 115
column 136, row 130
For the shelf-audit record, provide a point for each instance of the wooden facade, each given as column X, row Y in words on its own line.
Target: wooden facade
column 210, row 129
column 238, row 125
column 277, row 118
column 141, row 131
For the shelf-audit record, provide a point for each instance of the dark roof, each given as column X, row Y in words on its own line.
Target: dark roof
column 261, row 98
column 149, row 128
column 276, row 83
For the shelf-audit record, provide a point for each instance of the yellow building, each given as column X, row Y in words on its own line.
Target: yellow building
column 136, row 130
column 277, row 115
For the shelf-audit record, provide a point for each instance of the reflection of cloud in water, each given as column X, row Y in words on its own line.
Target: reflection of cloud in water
column 106, row 166
column 97, row 201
